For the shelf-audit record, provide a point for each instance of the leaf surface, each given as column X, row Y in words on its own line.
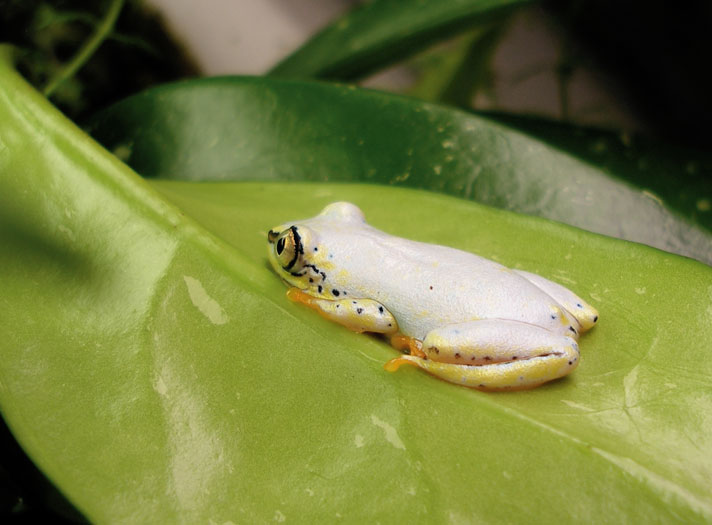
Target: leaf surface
column 153, row 368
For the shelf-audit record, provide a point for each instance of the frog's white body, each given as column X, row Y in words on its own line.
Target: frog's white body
column 475, row 319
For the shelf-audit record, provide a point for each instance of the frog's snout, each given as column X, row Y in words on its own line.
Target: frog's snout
column 272, row 236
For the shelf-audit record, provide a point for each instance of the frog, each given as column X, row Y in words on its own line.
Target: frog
column 459, row 316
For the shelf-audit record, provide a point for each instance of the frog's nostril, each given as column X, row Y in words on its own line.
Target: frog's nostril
column 595, row 319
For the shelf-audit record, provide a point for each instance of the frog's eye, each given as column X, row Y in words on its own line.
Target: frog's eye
column 288, row 247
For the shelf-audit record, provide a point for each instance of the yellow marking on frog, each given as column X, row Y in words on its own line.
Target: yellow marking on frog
column 358, row 315
column 560, row 315
column 343, row 276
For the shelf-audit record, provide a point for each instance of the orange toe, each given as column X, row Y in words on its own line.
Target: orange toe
column 396, row 363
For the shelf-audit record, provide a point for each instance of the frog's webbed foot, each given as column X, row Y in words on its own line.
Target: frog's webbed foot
column 584, row 313
column 404, row 342
column 494, row 354
column 359, row 315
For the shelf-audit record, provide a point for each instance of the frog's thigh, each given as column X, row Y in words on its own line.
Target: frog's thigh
column 495, row 354
column 359, row 315
column 584, row 313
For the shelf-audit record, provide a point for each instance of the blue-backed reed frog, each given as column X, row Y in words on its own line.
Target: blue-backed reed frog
column 460, row 317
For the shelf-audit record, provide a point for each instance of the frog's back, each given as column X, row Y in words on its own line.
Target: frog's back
column 426, row 286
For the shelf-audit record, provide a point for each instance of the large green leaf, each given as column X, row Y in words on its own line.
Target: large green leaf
column 153, row 368
column 264, row 129
column 380, row 32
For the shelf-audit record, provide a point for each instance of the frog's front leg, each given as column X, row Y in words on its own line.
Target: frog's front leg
column 494, row 354
column 359, row 315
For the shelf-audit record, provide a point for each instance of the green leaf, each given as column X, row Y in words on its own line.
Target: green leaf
column 153, row 368
column 456, row 72
column 266, row 129
column 383, row 31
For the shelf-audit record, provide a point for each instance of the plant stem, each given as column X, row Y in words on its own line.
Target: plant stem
column 87, row 50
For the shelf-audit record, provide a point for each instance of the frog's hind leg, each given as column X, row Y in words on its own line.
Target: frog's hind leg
column 584, row 313
column 359, row 315
column 494, row 354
